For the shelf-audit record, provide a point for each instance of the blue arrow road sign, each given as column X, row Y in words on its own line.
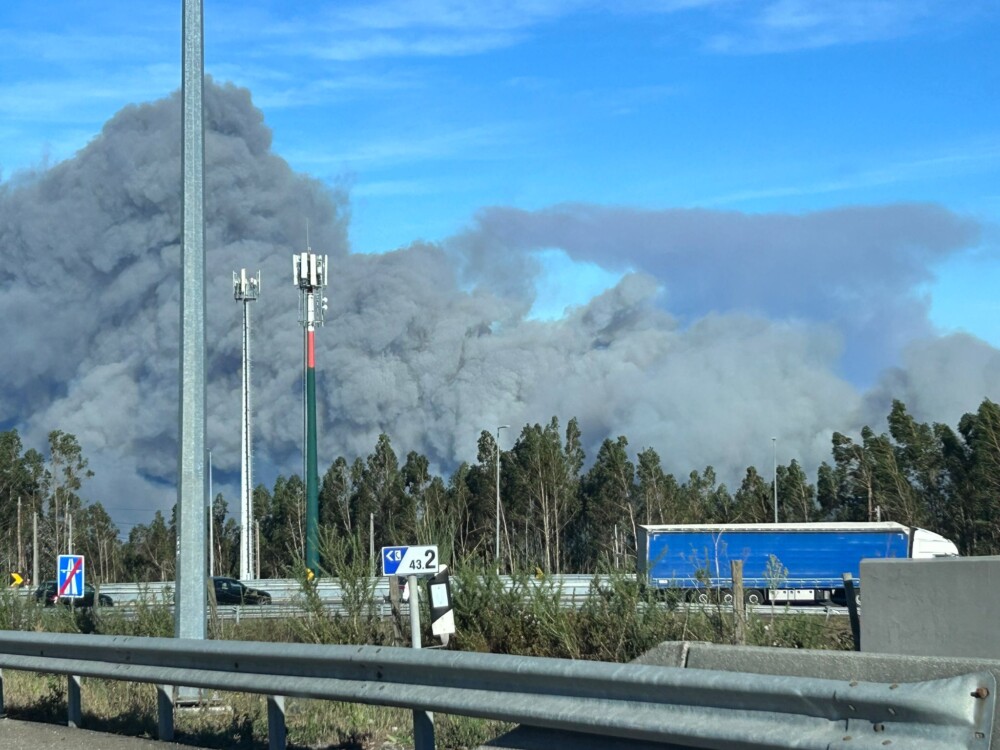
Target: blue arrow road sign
column 391, row 557
column 71, row 576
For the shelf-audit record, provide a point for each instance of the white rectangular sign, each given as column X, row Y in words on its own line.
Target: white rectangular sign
column 410, row 561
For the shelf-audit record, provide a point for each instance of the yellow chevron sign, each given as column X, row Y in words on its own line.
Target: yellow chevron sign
column 15, row 579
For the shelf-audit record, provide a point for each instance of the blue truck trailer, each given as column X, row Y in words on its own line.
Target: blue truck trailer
column 782, row 562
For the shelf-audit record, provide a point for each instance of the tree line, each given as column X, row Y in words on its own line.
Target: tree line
column 556, row 514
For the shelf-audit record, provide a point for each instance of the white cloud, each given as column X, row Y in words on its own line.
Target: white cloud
column 785, row 25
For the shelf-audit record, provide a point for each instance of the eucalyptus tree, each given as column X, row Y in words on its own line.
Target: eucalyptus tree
column 544, row 489
column 395, row 511
column 460, row 499
column 754, row 500
column 434, row 523
column 608, row 504
column 225, row 539
column 797, row 497
column 855, row 471
column 920, row 455
column 979, row 502
column 652, row 488
column 335, row 499
column 704, row 500
column 897, row 499
column 151, row 550
column 282, row 525
column 97, row 540
column 21, row 491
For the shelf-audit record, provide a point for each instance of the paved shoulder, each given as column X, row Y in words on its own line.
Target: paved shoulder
column 33, row 735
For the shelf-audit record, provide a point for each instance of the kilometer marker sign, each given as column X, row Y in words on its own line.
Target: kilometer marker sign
column 410, row 561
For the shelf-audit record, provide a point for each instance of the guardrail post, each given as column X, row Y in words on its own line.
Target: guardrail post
column 277, row 735
column 423, row 721
column 73, row 710
column 3, row 713
column 852, row 609
column 165, row 713
column 739, row 605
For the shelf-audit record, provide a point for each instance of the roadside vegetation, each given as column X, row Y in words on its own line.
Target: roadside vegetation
column 618, row 621
column 562, row 511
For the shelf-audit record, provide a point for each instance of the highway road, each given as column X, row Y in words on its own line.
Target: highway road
column 287, row 596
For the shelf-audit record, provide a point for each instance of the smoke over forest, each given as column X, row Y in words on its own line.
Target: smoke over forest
column 728, row 329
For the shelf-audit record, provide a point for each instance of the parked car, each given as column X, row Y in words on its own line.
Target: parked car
column 48, row 593
column 231, row 591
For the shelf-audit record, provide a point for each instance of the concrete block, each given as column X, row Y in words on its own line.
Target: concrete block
column 936, row 607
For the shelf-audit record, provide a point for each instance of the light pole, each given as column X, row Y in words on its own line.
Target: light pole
column 246, row 289
column 496, row 553
column 774, row 445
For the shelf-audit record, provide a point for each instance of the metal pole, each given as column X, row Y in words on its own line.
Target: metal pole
column 496, row 549
column 20, row 540
column 211, row 520
column 256, row 554
column 190, row 594
column 423, row 721
column 851, row 594
column 774, row 470
column 34, row 548
column 246, row 290
column 245, row 555
column 311, row 276
column 312, row 472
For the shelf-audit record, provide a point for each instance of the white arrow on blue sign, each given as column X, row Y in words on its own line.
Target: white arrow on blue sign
column 410, row 561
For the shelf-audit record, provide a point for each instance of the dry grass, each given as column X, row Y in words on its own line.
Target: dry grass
column 234, row 720
column 618, row 622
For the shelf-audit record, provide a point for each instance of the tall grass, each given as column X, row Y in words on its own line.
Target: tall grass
column 617, row 621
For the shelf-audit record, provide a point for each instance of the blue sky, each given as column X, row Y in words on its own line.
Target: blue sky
column 430, row 111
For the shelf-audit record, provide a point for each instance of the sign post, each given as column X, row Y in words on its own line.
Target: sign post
column 412, row 562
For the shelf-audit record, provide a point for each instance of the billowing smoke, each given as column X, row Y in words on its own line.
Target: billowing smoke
column 728, row 329
column 860, row 267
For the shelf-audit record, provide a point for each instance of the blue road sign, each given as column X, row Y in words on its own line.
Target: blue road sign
column 70, row 575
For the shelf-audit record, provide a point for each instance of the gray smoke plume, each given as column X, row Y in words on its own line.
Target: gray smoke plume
column 860, row 267
column 729, row 329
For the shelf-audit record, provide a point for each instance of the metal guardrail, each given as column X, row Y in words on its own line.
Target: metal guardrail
column 286, row 590
column 287, row 594
column 678, row 705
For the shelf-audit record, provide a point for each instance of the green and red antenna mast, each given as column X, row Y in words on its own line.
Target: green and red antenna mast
column 311, row 277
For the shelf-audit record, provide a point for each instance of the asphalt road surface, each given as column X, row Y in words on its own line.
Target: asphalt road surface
column 33, row 735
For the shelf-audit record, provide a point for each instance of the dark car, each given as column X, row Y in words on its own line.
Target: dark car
column 231, row 591
column 48, row 593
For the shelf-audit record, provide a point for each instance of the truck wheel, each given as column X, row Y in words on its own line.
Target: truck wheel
column 727, row 597
column 753, row 597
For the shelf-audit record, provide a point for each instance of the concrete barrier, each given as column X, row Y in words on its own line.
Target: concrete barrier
column 935, row 607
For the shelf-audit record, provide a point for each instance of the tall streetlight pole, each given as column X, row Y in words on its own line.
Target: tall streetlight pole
column 190, row 595
column 774, row 445
column 246, row 289
column 496, row 553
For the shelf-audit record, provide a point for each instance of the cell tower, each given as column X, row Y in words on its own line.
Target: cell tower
column 310, row 276
column 246, row 290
